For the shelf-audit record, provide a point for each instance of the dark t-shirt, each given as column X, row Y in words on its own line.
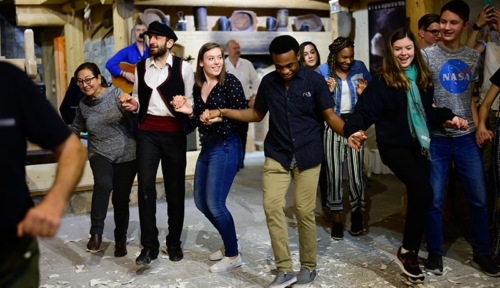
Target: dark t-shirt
column 495, row 79
column 24, row 113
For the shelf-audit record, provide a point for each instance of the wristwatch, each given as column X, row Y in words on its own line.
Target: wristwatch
column 475, row 27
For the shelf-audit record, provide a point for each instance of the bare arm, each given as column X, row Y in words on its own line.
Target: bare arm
column 483, row 19
column 473, row 105
column 45, row 218
column 243, row 115
column 334, row 121
column 482, row 134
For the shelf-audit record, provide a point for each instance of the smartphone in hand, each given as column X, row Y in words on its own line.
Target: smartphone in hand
column 489, row 3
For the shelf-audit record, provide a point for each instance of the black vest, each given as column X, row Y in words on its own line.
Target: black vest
column 173, row 85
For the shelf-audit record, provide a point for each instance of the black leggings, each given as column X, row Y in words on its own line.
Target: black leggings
column 413, row 169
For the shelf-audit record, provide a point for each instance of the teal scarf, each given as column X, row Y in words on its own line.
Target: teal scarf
column 416, row 113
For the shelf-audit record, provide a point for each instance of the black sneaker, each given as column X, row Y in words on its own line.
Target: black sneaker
column 356, row 224
column 337, row 231
column 408, row 262
column 486, row 264
column 434, row 264
column 418, row 280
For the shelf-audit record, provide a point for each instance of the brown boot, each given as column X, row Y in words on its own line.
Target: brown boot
column 94, row 243
column 120, row 249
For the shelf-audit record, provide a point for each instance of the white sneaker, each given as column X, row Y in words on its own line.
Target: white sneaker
column 219, row 254
column 226, row 264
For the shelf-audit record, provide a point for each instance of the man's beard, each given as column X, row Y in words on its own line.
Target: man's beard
column 160, row 51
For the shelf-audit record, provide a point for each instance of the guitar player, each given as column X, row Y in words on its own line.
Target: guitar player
column 122, row 64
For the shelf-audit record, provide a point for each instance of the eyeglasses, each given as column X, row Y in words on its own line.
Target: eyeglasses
column 434, row 33
column 86, row 81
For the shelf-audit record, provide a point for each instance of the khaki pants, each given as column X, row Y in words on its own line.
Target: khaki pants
column 19, row 266
column 275, row 183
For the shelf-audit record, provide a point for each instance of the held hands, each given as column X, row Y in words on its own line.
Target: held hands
column 210, row 116
column 362, row 83
column 483, row 135
column 356, row 140
column 128, row 102
column 456, row 123
column 181, row 104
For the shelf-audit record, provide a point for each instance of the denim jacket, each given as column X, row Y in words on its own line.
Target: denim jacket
column 358, row 70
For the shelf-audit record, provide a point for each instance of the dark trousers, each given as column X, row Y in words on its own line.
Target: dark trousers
column 18, row 267
column 116, row 177
column 242, row 130
column 171, row 149
column 413, row 169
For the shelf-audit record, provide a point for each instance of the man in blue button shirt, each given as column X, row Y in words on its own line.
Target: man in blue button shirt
column 131, row 54
column 298, row 101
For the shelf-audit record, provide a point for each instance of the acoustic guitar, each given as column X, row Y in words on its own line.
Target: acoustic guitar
column 121, row 82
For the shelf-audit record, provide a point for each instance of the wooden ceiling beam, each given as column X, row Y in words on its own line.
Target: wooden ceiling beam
column 289, row 4
column 27, row 2
column 31, row 16
column 77, row 5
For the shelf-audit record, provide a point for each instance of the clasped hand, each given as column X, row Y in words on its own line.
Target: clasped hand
column 183, row 105
column 356, row 140
column 128, row 102
column 456, row 123
column 483, row 135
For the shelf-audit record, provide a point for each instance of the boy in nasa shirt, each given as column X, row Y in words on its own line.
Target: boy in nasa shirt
column 454, row 69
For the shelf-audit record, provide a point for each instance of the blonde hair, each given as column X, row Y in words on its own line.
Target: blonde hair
column 392, row 71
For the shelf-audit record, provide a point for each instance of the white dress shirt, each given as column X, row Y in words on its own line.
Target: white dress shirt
column 247, row 75
column 155, row 76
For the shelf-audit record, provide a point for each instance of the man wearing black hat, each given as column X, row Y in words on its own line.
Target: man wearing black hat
column 161, row 136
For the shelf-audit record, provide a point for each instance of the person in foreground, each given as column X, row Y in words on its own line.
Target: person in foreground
column 482, row 136
column 26, row 114
column 160, row 137
column 399, row 102
column 296, row 98
column 219, row 158
column 455, row 70
column 111, row 154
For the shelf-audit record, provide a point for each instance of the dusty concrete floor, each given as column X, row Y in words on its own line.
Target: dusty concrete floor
column 364, row 261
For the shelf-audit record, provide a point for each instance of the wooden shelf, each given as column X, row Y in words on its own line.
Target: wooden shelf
column 251, row 42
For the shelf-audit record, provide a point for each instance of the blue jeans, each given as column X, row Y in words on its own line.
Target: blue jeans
column 469, row 164
column 216, row 167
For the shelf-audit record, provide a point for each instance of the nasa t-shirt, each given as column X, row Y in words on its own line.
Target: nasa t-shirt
column 452, row 74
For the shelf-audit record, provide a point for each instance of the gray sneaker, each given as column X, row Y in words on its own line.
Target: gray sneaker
column 305, row 278
column 283, row 280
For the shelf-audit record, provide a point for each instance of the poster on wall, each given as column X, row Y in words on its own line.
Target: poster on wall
column 383, row 18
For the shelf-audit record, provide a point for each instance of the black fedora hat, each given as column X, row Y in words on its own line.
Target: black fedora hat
column 161, row 29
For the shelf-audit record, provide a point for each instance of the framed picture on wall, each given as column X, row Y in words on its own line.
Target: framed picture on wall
column 383, row 18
